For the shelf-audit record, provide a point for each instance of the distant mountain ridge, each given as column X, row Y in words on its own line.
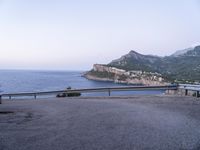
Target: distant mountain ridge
column 183, row 66
column 182, row 52
column 136, row 61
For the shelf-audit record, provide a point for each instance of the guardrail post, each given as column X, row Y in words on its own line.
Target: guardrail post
column 197, row 94
column 186, row 92
column 0, row 99
column 108, row 92
column 168, row 91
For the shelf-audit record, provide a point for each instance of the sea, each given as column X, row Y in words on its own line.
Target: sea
column 16, row 81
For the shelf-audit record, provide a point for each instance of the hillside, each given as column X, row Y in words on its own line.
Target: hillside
column 137, row 61
column 182, row 66
column 182, row 52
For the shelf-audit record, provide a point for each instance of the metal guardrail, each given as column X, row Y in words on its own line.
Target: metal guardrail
column 90, row 90
column 190, row 87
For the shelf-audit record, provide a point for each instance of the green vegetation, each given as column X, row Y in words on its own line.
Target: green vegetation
column 102, row 74
column 194, row 94
column 71, row 94
column 122, row 77
column 183, row 69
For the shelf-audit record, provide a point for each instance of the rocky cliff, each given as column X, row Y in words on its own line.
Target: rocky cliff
column 106, row 73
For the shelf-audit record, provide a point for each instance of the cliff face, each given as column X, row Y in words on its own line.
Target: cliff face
column 106, row 73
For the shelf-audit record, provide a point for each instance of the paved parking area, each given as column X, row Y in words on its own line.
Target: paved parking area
column 126, row 123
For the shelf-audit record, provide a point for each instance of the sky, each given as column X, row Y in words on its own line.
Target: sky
column 74, row 35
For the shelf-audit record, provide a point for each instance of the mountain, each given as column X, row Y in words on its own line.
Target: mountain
column 136, row 61
column 182, row 66
column 182, row 52
column 195, row 52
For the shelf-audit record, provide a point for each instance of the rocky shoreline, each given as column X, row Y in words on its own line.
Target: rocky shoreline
column 111, row 74
column 130, row 81
column 91, row 77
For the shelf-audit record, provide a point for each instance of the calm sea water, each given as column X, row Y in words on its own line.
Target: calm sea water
column 12, row 81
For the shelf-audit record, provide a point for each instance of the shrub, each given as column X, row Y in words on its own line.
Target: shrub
column 71, row 94
column 122, row 77
column 194, row 94
column 61, row 95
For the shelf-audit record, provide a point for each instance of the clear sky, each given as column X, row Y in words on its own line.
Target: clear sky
column 75, row 34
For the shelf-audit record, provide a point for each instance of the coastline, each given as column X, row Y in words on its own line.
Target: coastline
column 91, row 77
column 101, row 72
column 128, row 81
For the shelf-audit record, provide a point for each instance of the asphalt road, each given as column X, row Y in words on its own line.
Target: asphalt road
column 142, row 122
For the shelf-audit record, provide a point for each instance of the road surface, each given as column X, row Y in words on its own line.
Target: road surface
column 126, row 123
